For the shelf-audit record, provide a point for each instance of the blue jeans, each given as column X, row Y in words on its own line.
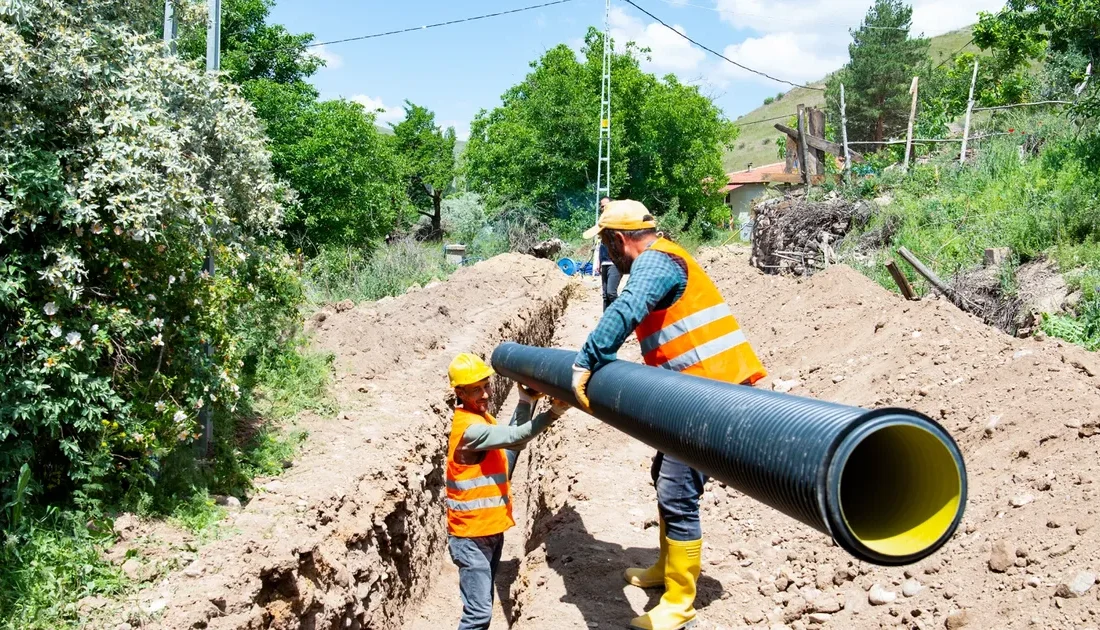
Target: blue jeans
column 679, row 488
column 477, row 560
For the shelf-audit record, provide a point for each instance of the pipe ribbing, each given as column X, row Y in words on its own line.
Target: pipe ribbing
column 889, row 485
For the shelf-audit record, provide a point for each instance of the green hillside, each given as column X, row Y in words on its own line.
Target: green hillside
column 757, row 143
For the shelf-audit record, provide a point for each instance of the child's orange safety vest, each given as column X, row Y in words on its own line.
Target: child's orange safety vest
column 479, row 496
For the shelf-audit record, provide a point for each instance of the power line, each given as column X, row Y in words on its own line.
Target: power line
column 718, row 54
column 764, row 120
column 410, row 29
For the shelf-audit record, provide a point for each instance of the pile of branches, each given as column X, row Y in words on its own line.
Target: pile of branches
column 794, row 235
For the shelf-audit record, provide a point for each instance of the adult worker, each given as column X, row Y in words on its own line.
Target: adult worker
column 609, row 274
column 682, row 324
column 479, row 471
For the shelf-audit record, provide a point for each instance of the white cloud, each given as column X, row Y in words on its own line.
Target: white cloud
column 384, row 114
column 783, row 55
column 796, row 43
column 669, row 51
column 332, row 60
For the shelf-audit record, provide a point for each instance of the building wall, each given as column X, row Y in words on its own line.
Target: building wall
column 740, row 199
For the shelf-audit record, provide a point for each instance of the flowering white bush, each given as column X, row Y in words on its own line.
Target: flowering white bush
column 120, row 169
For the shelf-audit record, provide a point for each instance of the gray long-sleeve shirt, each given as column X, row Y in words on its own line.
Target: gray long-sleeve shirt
column 521, row 430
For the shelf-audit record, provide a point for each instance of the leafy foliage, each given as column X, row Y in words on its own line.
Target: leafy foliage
column 120, row 169
column 540, row 145
column 883, row 61
column 429, row 160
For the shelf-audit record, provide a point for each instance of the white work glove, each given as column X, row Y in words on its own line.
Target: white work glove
column 558, row 407
column 580, row 386
column 528, row 395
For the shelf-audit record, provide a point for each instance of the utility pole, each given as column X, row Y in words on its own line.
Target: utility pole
column 171, row 26
column 603, row 164
column 213, row 64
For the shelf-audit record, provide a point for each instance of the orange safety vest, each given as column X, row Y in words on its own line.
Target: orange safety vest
column 698, row 334
column 479, row 497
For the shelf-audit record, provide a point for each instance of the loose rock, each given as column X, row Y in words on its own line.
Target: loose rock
column 1000, row 558
column 879, row 596
column 957, row 619
column 1021, row 500
column 910, row 588
column 1077, row 586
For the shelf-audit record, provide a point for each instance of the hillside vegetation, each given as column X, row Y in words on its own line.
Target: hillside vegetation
column 757, row 142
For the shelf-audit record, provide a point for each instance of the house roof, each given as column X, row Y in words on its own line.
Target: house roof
column 756, row 175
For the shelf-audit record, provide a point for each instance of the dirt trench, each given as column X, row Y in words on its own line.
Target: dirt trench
column 355, row 532
column 1025, row 413
column 353, row 536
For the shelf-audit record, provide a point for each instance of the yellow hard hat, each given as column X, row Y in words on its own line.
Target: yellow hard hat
column 624, row 214
column 467, row 369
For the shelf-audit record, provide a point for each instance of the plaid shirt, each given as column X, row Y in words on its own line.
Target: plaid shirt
column 657, row 280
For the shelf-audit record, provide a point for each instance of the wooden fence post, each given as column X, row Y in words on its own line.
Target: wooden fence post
column 844, row 137
column 803, row 146
column 912, row 115
column 969, row 110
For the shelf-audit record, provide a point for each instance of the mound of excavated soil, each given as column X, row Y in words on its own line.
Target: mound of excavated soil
column 354, row 531
column 1023, row 411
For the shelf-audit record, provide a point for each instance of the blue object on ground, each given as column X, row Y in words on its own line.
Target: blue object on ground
column 567, row 266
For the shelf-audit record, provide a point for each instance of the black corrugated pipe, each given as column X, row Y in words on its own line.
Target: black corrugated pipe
column 889, row 485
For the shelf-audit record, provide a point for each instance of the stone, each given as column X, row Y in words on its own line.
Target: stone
column 1000, row 559
column 124, row 626
column 995, row 256
column 911, row 587
column 783, row 386
column 194, row 569
column 957, row 619
column 781, row 583
column 132, row 568
column 1033, row 581
column 827, row 605
column 1021, row 500
column 1080, row 584
column 753, row 617
column 879, row 596
column 155, row 606
column 124, row 526
column 819, row 617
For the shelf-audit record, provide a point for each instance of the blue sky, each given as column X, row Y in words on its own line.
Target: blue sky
column 458, row 70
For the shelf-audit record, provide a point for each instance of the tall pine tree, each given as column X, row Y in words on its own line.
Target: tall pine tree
column 883, row 60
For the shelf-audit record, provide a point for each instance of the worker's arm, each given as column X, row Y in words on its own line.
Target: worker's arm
column 656, row 281
column 484, row 437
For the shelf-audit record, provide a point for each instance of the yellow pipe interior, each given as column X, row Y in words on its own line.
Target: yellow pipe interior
column 900, row 490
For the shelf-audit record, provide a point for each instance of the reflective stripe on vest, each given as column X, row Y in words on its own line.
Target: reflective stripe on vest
column 477, row 504
column 684, row 326
column 705, row 351
column 478, row 482
column 479, row 501
column 698, row 333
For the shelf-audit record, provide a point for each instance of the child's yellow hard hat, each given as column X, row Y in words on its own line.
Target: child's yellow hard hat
column 467, row 369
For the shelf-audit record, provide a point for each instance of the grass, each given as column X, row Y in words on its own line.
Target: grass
column 1044, row 205
column 358, row 274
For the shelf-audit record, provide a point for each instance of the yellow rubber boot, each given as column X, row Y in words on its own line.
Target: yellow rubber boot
column 677, row 607
column 654, row 575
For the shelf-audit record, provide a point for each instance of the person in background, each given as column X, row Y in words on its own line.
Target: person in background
column 683, row 324
column 609, row 273
column 480, row 458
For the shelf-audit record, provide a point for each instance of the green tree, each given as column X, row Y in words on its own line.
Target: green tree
column 347, row 174
column 883, row 61
column 540, row 145
column 428, row 153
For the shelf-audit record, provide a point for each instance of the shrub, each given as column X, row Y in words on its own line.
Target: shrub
column 120, row 170
column 359, row 274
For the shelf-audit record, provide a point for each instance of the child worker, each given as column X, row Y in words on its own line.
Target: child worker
column 480, row 458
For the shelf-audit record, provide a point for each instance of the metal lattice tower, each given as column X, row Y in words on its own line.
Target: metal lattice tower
column 603, row 166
